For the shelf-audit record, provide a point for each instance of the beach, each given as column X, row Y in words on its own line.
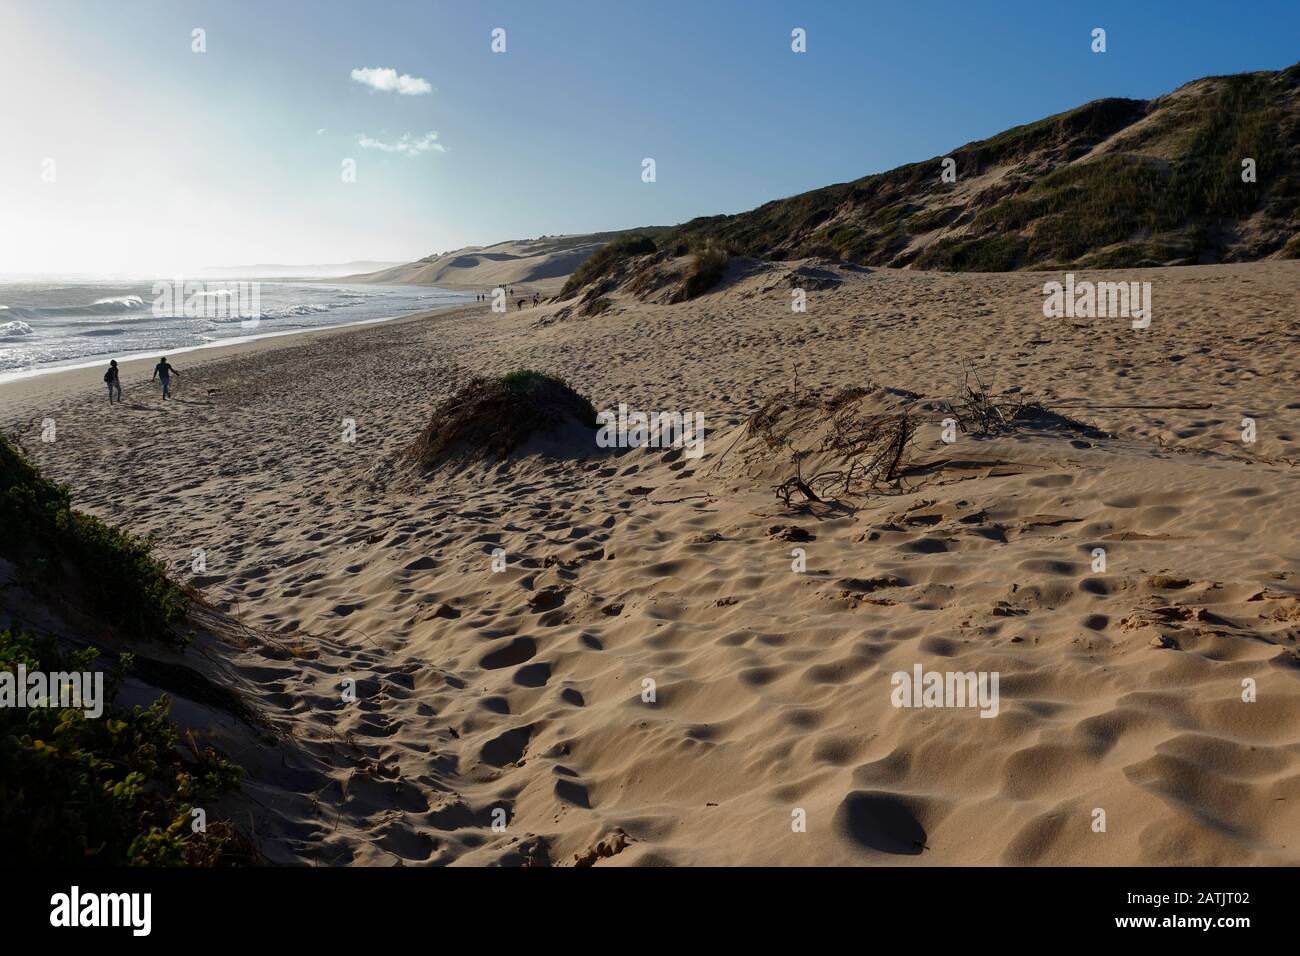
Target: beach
column 1148, row 707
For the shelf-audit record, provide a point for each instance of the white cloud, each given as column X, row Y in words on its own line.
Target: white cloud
column 407, row 144
column 386, row 80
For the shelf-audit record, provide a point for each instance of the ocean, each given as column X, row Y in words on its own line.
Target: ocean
column 75, row 322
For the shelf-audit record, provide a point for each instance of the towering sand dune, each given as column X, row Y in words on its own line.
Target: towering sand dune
column 1112, row 184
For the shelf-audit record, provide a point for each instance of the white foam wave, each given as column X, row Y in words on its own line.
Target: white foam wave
column 284, row 313
column 11, row 330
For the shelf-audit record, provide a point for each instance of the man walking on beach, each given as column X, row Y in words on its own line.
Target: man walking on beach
column 165, row 372
column 113, row 382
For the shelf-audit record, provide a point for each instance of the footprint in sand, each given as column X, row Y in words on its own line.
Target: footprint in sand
column 880, row 821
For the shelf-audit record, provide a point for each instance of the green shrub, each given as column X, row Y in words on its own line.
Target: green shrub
column 1132, row 255
column 112, row 790
column 987, row 254
column 40, row 530
column 932, row 219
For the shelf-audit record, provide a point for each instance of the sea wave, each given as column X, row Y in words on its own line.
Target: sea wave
column 122, row 302
column 284, row 313
column 307, row 308
column 12, row 330
column 104, row 307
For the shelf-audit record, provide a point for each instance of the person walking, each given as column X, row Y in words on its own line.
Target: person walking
column 164, row 372
column 113, row 381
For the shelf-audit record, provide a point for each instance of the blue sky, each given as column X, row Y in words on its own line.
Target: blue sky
column 166, row 159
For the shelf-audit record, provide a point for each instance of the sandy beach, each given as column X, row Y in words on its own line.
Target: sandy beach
column 1122, row 690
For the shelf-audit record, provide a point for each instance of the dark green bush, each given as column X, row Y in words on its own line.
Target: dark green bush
column 113, row 790
column 1080, row 208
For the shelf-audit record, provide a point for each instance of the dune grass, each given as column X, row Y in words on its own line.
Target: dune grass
column 59, row 549
column 705, row 271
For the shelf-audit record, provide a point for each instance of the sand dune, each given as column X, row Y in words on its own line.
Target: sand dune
column 536, row 264
column 1121, row 690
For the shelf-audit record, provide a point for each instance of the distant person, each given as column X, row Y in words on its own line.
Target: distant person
column 519, row 304
column 536, row 299
column 164, row 373
column 113, row 382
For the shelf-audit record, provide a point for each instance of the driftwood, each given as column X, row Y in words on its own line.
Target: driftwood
column 977, row 412
column 863, row 453
column 868, row 449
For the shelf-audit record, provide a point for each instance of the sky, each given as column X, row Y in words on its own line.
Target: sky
column 127, row 152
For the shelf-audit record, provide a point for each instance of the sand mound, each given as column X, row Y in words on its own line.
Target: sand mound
column 489, row 420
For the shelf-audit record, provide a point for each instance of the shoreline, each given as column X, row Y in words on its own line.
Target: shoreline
column 75, row 364
column 21, row 389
